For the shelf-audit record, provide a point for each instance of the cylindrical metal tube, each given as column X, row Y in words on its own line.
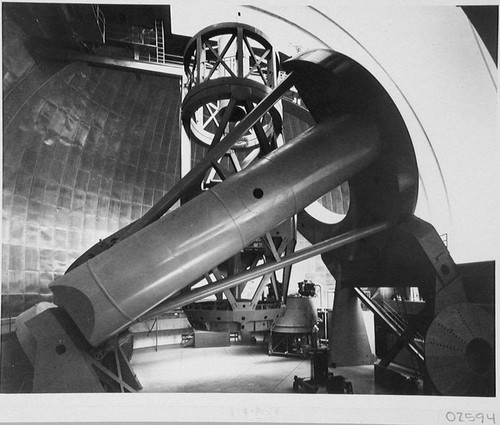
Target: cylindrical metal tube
column 107, row 293
column 231, row 282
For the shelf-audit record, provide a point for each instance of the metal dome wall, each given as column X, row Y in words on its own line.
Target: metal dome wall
column 86, row 150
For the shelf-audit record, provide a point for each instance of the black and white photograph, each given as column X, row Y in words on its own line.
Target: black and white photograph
column 264, row 212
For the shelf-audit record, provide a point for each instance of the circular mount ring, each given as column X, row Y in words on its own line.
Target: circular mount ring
column 204, row 107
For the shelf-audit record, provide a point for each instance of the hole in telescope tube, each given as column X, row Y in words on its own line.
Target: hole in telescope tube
column 61, row 349
column 258, row 193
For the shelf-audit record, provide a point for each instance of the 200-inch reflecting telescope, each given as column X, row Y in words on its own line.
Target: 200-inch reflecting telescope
column 110, row 291
column 247, row 223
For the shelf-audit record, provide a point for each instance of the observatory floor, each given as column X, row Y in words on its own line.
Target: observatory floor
column 234, row 369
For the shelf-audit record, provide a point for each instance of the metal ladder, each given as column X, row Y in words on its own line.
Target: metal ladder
column 160, row 42
column 100, row 20
column 397, row 320
column 392, row 319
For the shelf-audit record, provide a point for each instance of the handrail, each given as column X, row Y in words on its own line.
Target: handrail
column 101, row 21
column 395, row 327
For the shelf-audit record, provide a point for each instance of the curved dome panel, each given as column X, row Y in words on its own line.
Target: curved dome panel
column 86, row 150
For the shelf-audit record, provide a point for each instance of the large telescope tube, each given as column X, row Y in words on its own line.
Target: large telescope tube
column 106, row 294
